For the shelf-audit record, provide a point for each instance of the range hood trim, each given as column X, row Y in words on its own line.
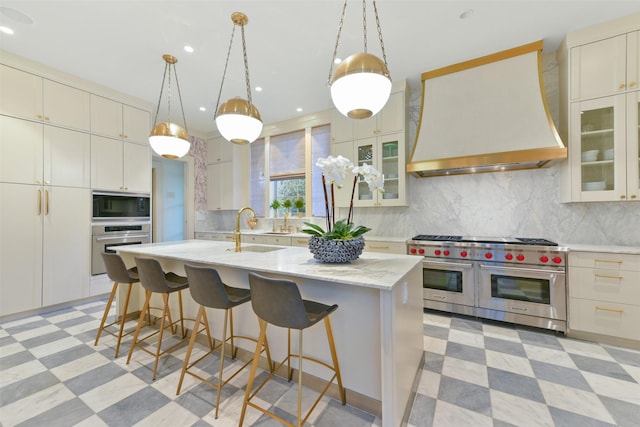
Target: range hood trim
column 494, row 161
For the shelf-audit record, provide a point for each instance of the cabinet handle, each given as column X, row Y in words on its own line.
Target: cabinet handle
column 632, row 84
column 622, row 86
column 46, row 118
column 606, row 260
column 605, row 276
column 228, row 237
column 302, row 241
column 39, row 116
column 39, row 202
column 622, row 196
column 125, row 136
column 379, row 246
column 633, row 196
column 613, row 310
column 46, row 204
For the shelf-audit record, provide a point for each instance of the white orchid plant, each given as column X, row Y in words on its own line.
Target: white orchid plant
column 334, row 172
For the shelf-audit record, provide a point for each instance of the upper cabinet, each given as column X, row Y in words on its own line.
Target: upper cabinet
column 227, row 176
column 116, row 120
column 219, row 150
column 605, row 67
column 600, row 95
column 380, row 141
column 32, row 97
column 119, row 165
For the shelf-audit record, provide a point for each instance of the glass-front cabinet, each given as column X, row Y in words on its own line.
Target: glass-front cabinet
column 386, row 154
column 604, row 150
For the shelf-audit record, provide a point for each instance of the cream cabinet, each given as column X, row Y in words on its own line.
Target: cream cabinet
column 604, row 296
column 219, row 150
column 220, row 187
column 342, row 127
column 227, row 178
column 605, row 67
column 44, row 238
column 220, row 237
column 32, row 153
column 267, row 240
column 120, row 166
column 385, row 246
column 116, row 120
column 32, row 97
column 388, row 120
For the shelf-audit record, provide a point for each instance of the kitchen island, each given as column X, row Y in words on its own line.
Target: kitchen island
column 378, row 328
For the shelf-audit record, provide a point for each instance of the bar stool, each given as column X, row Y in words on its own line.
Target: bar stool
column 208, row 290
column 155, row 280
column 119, row 274
column 278, row 302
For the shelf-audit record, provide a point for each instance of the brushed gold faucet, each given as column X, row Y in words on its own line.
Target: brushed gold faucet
column 236, row 234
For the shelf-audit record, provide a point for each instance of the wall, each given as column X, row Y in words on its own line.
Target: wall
column 518, row 203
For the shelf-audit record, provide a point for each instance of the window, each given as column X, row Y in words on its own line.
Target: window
column 292, row 172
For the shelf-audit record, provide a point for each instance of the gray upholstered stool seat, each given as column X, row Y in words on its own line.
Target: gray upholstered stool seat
column 278, row 302
column 119, row 274
column 208, row 290
column 155, row 280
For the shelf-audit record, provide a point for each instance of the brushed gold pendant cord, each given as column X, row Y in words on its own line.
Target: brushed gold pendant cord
column 226, row 63
column 170, row 61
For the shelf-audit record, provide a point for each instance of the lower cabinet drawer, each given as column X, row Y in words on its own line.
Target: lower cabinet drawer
column 614, row 319
column 604, row 285
column 300, row 241
column 386, row 247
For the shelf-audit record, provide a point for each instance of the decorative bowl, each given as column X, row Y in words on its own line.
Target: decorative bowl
column 594, row 186
column 336, row 251
column 590, row 155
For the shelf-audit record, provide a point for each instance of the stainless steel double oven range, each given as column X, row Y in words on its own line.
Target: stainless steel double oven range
column 518, row 280
column 118, row 219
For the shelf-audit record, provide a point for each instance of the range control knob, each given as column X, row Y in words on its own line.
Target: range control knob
column 412, row 250
column 544, row 258
column 437, row 252
column 463, row 254
column 557, row 260
column 446, row 253
column 509, row 257
column 520, row 257
column 488, row 255
column 421, row 251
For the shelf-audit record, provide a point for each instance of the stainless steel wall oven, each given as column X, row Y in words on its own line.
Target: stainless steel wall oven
column 516, row 280
column 107, row 237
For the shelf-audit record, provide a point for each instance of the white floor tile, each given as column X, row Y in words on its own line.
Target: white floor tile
column 79, row 366
column 584, row 348
column 170, row 415
column 55, row 347
column 548, row 355
column 501, row 332
column 573, row 400
column 448, row 415
column 35, row 404
column 509, row 362
column 429, row 384
column 434, row 345
column 21, row 322
column 467, row 338
column 65, row 316
column 9, row 349
column 34, row 333
column 465, row 371
column 611, row 387
column 20, row 372
column 107, row 394
column 518, row 411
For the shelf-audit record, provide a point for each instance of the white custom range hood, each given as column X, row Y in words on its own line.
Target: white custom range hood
column 484, row 115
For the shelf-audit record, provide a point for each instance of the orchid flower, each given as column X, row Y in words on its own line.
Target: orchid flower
column 373, row 178
column 335, row 169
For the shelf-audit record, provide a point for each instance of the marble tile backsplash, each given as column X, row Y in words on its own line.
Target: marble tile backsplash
column 519, row 203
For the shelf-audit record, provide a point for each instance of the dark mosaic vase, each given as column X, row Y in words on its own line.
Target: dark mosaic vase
column 336, row 251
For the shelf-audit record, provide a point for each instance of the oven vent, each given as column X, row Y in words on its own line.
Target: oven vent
column 488, row 114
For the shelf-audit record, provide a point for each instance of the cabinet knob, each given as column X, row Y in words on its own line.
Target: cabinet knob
column 632, row 84
column 39, row 116
column 622, row 196
column 622, row 86
column 46, row 118
column 633, row 196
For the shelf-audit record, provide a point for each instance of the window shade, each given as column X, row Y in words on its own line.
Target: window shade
column 320, row 146
column 286, row 154
column 257, row 177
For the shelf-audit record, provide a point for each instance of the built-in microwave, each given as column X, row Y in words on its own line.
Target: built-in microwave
column 115, row 206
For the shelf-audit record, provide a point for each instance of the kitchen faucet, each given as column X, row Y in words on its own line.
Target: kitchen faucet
column 236, row 234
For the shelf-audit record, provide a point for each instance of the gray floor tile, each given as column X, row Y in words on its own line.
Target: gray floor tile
column 625, row 414
column 345, row 416
column 436, row 332
column 94, row 378
column 466, row 395
column 194, row 403
column 267, row 421
column 273, row 390
column 422, row 411
column 499, row 423
column 27, row 326
column 94, row 309
column 54, row 313
column 76, row 321
column 27, row 386
column 15, row 359
column 167, row 364
column 468, row 324
column 66, row 414
column 6, row 341
column 433, row 362
column 515, row 384
column 624, row 356
column 134, row 408
column 541, row 338
column 560, row 375
column 601, row 367
column 45, row 339
column 563, row 418
column 66, row 356
column 504, row 346
column 466, row 352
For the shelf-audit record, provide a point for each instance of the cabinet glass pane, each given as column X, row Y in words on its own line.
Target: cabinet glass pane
column 638, row 153
column 365, row 155
column 390, row 169
column 597, row 153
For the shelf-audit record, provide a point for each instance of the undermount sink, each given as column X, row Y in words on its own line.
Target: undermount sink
column 261, row 248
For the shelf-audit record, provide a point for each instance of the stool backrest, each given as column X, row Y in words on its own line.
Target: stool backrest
column 278, row 302
column 206, row 287
column 116, row 270
column 152, row 276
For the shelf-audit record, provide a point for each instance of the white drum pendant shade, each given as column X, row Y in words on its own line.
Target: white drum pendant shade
column 169, row 140
column 239, row 121
column 361, row 86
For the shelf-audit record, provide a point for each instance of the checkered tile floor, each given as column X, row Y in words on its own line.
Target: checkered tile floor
column 476, row 373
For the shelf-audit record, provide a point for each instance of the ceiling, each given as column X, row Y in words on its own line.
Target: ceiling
column 119, row 44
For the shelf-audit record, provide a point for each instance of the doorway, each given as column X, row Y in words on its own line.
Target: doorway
column 173, row 188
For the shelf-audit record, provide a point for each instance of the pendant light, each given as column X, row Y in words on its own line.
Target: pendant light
column 237, row 119
column 361, row 84
column 169, row 139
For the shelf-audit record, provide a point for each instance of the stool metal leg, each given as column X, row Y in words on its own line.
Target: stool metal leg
column 334, row 357
column 224, row 342
column 165, row 298
column 145, row 307
column 300, row 379
column 123, row 318
column 192, row 341
column 106, row 311
column 254, row 367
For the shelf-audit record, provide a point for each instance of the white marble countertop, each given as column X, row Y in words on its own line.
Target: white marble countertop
column 373, row 270
column 266, row 232
column 579, row 247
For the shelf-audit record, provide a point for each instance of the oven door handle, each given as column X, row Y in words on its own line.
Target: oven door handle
column 449, row 264
column 122, row 236
column 517, row 269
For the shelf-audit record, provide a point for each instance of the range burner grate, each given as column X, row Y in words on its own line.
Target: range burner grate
column 437, row 238
column 539, row 242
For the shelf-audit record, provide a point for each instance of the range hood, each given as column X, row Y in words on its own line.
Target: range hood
column 485, row 115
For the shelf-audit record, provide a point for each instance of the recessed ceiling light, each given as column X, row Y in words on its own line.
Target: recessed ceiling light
column 203, row 109
column 337, row 61
column 6, row 30
column 258, row 89
column 16, row 15
column 298, row 109
column 188, row 49
column 466, row 14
